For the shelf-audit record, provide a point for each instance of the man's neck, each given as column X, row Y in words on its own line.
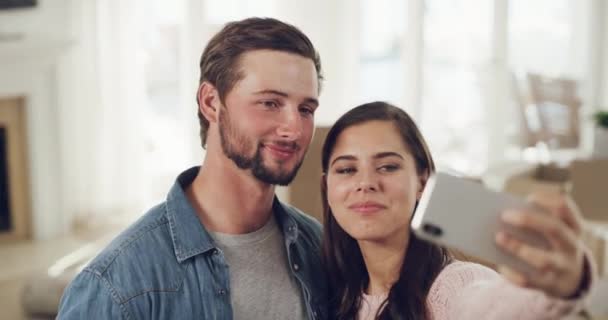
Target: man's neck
column 228, row 199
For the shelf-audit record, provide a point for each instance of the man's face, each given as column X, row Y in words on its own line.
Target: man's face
column 267, row 122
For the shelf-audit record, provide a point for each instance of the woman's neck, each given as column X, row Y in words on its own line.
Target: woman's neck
column 383, row 260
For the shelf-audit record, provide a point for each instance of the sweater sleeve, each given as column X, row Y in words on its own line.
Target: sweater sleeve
column 465, row 290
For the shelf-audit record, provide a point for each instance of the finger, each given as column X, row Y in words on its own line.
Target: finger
column 513, row 276
column 541, row 260
column 560, row 205
column 572, row 215
column 559, row 235
column 547, row 281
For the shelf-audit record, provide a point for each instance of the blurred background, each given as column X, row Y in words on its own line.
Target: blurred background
column 98, row 111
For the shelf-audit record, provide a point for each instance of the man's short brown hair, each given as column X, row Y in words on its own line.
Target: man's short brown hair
column 219, row 62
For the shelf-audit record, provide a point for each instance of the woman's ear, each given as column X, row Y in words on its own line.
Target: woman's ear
column 323, row 182
column 208, row 101
column 422, row 179
column 324, row 189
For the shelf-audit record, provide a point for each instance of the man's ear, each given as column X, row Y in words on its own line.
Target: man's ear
column 208, row 101
column 422, row 179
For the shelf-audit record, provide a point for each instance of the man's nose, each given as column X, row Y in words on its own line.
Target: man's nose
column 291, row 124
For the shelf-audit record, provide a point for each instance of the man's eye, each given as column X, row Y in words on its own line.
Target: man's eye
column 307, row 110
column 270, row 103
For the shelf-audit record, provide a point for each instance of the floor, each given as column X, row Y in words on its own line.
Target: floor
column 20, row 261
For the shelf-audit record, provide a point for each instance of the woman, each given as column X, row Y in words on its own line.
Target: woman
column 375, row 165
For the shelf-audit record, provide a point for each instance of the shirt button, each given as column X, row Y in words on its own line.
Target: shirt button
column 216, row 252
column 221, row 292
column 296, row 267
column 291, row 228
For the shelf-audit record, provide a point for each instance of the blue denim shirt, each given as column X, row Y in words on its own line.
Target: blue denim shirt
column 167, row 266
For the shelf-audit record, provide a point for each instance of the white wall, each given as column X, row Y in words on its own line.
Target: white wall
column 603, row 81
column 49, row 18
column 330, row 26
column 55, row 67
column 30, row 67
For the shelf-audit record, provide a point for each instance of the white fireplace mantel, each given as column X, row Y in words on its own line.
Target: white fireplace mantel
column 16, row 48
column 28, row 68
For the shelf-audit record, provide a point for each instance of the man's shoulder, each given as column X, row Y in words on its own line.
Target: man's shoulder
column 141, row 259
column 146, row 240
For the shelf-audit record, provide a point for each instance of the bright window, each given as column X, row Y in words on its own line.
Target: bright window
column 461, row 64
column 540, row 36
column 457, row 42
column 382, row 30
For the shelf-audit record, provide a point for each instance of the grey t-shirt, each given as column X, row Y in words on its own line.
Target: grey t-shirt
column 261, row 285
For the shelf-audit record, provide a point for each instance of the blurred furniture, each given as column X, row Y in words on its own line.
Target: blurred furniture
column 42, row 291
column 15, row 224
column 550, row 112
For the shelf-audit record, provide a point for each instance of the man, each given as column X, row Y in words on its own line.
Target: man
column 222, row 246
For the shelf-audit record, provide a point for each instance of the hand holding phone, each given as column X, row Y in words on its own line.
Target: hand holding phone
column 537, row 244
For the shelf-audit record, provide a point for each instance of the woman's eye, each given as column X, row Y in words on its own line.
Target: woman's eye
column 345, row 170
column 389, row 168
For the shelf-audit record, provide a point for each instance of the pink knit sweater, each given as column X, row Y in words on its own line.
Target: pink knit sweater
column 465, row 290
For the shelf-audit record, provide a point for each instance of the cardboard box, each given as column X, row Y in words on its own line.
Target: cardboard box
column 305, row 191
column 542, row 178
column 586, row 180
column 589, row 179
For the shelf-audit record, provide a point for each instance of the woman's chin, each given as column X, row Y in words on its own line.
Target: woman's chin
column 369, row 235
column 376, row 233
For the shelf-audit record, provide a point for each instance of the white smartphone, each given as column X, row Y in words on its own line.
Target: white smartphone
column 464, row 215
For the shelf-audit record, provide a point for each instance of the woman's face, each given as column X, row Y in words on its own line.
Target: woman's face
column 372, row 182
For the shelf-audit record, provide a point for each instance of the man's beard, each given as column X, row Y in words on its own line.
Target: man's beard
column 234, row 147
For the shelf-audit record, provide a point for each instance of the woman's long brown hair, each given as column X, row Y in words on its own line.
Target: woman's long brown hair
column 342, row 256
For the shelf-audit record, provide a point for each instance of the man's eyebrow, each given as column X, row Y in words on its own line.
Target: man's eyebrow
column 309, row 100
column 268, row 91
column 312, row 101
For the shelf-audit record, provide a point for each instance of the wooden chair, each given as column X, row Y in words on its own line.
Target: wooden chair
column 557, row 106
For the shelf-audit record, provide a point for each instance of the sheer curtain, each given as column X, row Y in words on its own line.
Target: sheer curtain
column 448, row 64
column 132, row 125
column 124, row 134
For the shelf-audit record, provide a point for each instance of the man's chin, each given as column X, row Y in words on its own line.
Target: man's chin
column 280, row 167
column 278, row 177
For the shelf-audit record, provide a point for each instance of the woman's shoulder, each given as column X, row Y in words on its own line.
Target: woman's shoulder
column 462, row 272
column 452, row 281
column 457, row 275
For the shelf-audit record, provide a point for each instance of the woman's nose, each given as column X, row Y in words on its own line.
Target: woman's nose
column 368, row 183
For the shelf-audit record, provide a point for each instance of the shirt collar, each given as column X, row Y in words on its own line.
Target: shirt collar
column 189, row 236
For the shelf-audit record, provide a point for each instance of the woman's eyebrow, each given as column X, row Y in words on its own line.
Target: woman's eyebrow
column 343, row 157
column 387, row 154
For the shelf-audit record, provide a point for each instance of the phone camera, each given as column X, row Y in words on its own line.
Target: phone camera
column 433, row 230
